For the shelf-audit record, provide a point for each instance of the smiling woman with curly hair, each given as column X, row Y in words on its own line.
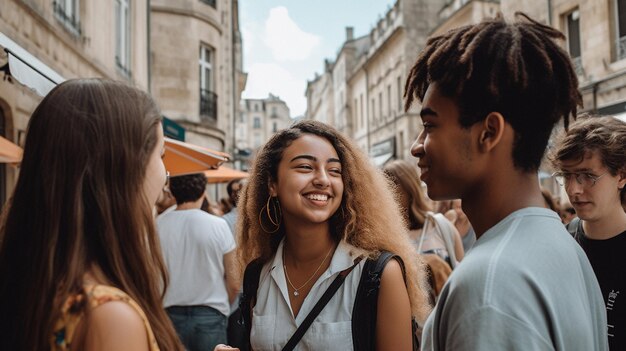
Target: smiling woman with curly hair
column 313, row 207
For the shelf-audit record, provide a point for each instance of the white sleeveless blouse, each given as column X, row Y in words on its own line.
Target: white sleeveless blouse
column 273, row 322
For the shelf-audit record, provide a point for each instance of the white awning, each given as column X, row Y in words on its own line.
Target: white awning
column 29, row 70
column 621, row 116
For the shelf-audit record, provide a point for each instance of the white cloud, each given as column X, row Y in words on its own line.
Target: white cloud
column 265, row 78
column 286, row 40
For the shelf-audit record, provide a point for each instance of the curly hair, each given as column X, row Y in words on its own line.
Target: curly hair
column 516, row 69
column 188, row 188
column 404, row 175
column 605, row 135
column 368, row 218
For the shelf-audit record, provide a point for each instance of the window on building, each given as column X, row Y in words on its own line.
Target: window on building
column 256, row 107
column 208, row 98
column 380, row 105
column 122, row 35
column 257, row 140
column 362, row 110
column 274, row 127
column 257, row 123
column 274, row 114
column 400, row 102
column 67, row 12
column 620, row 30
column 356, row 113
column 389, row 100
column 572, row 23
column 206, row 68
column 373, row 109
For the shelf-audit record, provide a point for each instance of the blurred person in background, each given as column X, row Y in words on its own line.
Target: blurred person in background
column 591, row 162
column 454, row 213
column 80, row 260
column 233, row 189
column 549, row 201
column 567, row 212
column 429, row 236
column 199, row 251
column 166, row 201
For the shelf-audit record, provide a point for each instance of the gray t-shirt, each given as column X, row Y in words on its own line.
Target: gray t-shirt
column 525, row 285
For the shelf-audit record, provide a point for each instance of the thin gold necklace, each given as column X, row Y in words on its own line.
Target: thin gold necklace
column 295, row 290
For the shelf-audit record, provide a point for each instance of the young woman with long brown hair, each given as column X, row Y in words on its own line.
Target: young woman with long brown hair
column 80, row 263
column 314, row 204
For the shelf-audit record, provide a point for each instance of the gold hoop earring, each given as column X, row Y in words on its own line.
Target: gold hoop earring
column 275, row 207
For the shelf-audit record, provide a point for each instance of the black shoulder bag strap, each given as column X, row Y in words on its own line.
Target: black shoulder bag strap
column 365, row 310
column 251, row 278
column 319, row 306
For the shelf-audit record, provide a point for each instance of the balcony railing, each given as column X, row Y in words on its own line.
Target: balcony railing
column 621, row 48
column 208, row 106
column 69, row 20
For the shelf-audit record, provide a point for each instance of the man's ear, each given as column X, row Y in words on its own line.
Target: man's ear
column 492, row 130
column 622, row 178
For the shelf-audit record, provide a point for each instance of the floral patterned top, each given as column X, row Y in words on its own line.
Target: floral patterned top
column 71, row 314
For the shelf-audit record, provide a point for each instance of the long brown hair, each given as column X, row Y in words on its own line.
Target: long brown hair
column 368, row 218
column 79, row 203
column 404, row 175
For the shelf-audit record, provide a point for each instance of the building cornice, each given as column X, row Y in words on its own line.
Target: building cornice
column 188, row 13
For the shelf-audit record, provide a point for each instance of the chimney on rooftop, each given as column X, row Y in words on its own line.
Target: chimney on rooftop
column 349, row 33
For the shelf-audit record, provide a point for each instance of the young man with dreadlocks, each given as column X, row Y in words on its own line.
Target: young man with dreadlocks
column 491, row 94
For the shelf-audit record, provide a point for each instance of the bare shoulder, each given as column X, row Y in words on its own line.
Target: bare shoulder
column 392, row 274
column 115, row 325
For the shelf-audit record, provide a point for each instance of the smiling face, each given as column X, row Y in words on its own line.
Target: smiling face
column 443, row 147
column 595, row 202
column 309, row 182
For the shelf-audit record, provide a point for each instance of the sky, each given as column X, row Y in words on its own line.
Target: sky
column 285, row 42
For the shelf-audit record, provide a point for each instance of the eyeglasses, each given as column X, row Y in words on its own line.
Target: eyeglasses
column 167, row 177
column 585, row 179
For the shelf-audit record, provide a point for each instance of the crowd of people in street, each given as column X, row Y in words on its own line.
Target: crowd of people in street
column 460, row 249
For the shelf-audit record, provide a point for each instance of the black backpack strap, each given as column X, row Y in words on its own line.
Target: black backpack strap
column 365, row 310
column 251, row 278
column 319, row 306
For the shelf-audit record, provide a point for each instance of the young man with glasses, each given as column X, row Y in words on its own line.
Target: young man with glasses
column 591, row 159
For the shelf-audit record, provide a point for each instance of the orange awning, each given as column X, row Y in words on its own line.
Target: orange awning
column 183, row 158
column 224, row 174
column 9, row 152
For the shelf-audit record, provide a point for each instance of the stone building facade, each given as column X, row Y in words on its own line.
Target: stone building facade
column 362, row 88
column 258, row 120
column 197, row 74
column 596, row 40
column 65, row 39
column 365, row 82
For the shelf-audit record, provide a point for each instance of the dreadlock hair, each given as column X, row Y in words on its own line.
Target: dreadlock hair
column 516, row 69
